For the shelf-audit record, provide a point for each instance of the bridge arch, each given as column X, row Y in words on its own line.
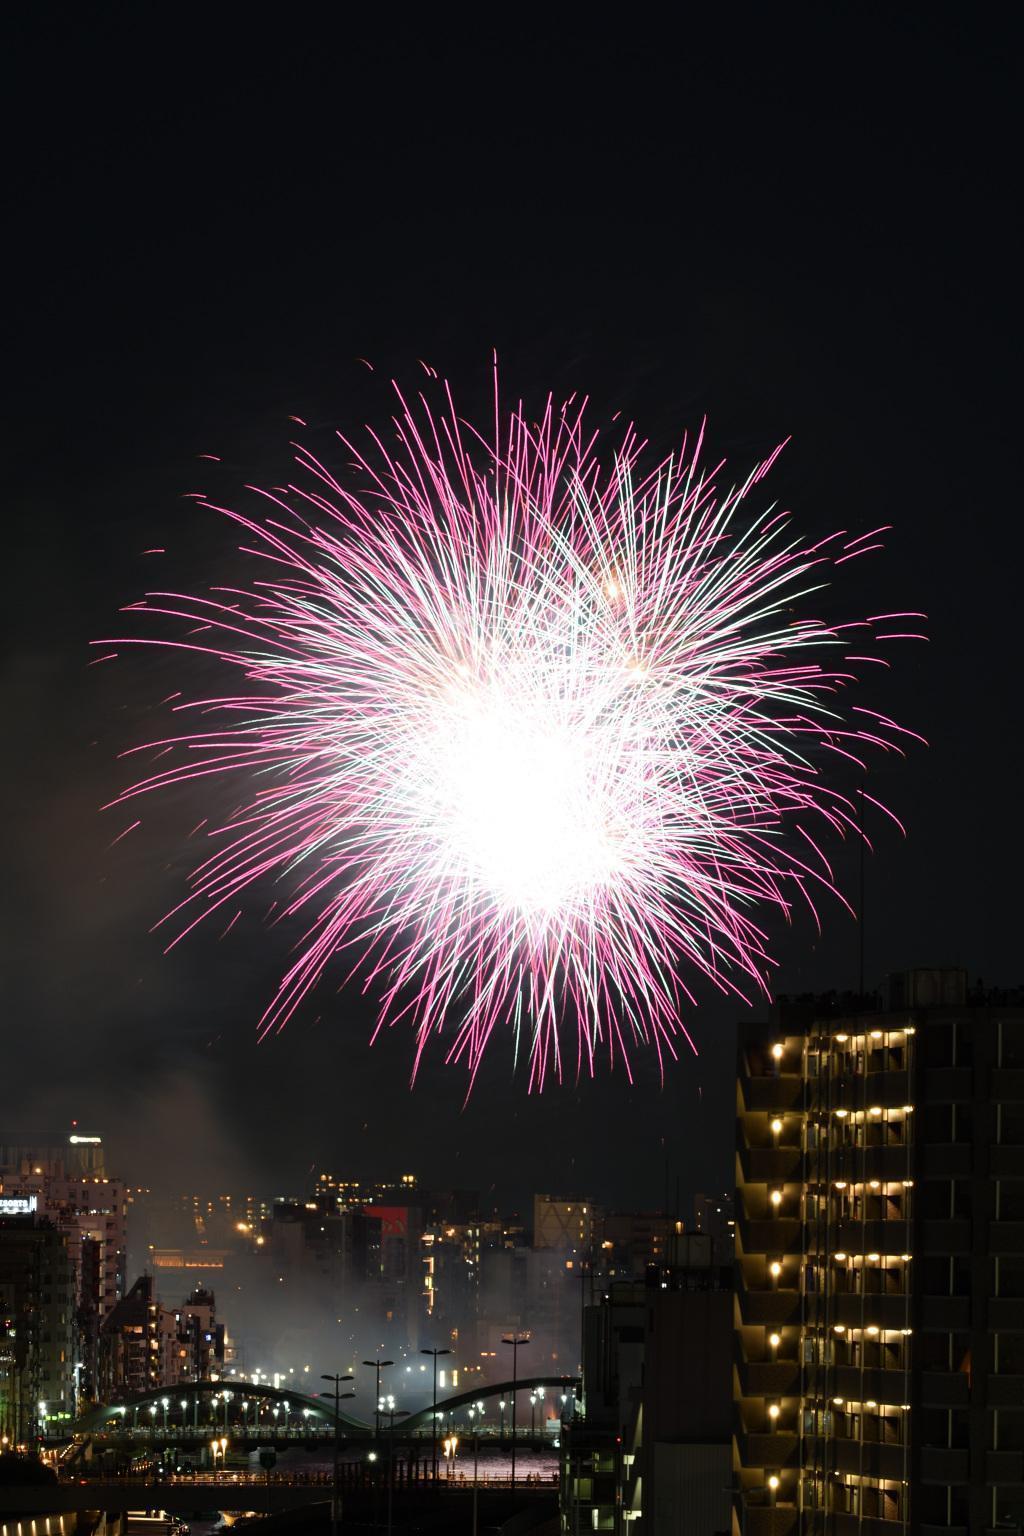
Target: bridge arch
column 107, row 1416
column 501, row 1389
column 248, row 1397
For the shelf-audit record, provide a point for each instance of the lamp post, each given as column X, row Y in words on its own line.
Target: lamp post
column 338, row 1395
column 501, row 1428
column 475, row 1415
column 433, row 1417
column 393, row 1413
column 378, row 1365
column 517, row 1340
column 227, row 1398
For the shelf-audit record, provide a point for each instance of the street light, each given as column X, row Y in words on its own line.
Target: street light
column 336, row 1381
column 433, row 1417
column 474, row 1417
column 517, row 1340
column 392, row 1414
column 165, row 1403
column 501, row 1427
column 378, row 1365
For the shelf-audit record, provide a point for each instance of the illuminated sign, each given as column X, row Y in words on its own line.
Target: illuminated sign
column 17, row 1205
column 88, row 1141
column 394, row 1219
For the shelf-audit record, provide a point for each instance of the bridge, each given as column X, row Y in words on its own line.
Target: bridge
column 254, row 1414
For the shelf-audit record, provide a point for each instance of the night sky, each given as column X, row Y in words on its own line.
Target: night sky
column 801, row 226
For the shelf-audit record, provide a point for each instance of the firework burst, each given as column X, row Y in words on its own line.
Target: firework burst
column 526, row 737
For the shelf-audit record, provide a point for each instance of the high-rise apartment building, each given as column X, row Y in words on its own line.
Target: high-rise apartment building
column 879, row 1379
column 37, row 1341
column 67, row 1178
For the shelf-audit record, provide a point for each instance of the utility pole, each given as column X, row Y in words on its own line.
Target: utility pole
column 517, row 1340
column 433, row 1420
column 335, row 1499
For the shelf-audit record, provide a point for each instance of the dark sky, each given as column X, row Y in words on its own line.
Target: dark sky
column 804, row 224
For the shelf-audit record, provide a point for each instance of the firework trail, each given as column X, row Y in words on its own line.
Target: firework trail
column 527, row 737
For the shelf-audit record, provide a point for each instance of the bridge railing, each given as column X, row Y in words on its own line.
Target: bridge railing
column 176, row 1434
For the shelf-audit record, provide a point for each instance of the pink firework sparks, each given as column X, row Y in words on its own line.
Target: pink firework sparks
column 527, row 736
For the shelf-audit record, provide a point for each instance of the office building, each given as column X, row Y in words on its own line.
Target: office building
column 571, row 1225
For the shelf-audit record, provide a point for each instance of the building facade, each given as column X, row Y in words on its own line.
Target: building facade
column 37, row 1339
column 649, row 1439
column 879, row 1377
column 67, row 1178
column 572, row 1225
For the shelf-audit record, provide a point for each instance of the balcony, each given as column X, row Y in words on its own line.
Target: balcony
column 1006, row 1160
column 948, row 1085
column 945, row 1389
column 770, row 1234
column 1004, row 1467
column 939, row 1465
column 889, row 1088
column 942, row 1237
column 871, row 1525
column 870, row 1460
column 885, row 1162
column 767, row 1165
column 769, row 1378
column 1004, row 1391
column 761, row 1093
column 947, row 1159
column 770, row 1520
column 780, row 1304
column 769, row 1450
column 885, row 1386
column 882, row 1311
column 1006, row 1237
column 946, row 1312
column 865, row 1236
column 1006, row 1085
column 1005, row 1312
